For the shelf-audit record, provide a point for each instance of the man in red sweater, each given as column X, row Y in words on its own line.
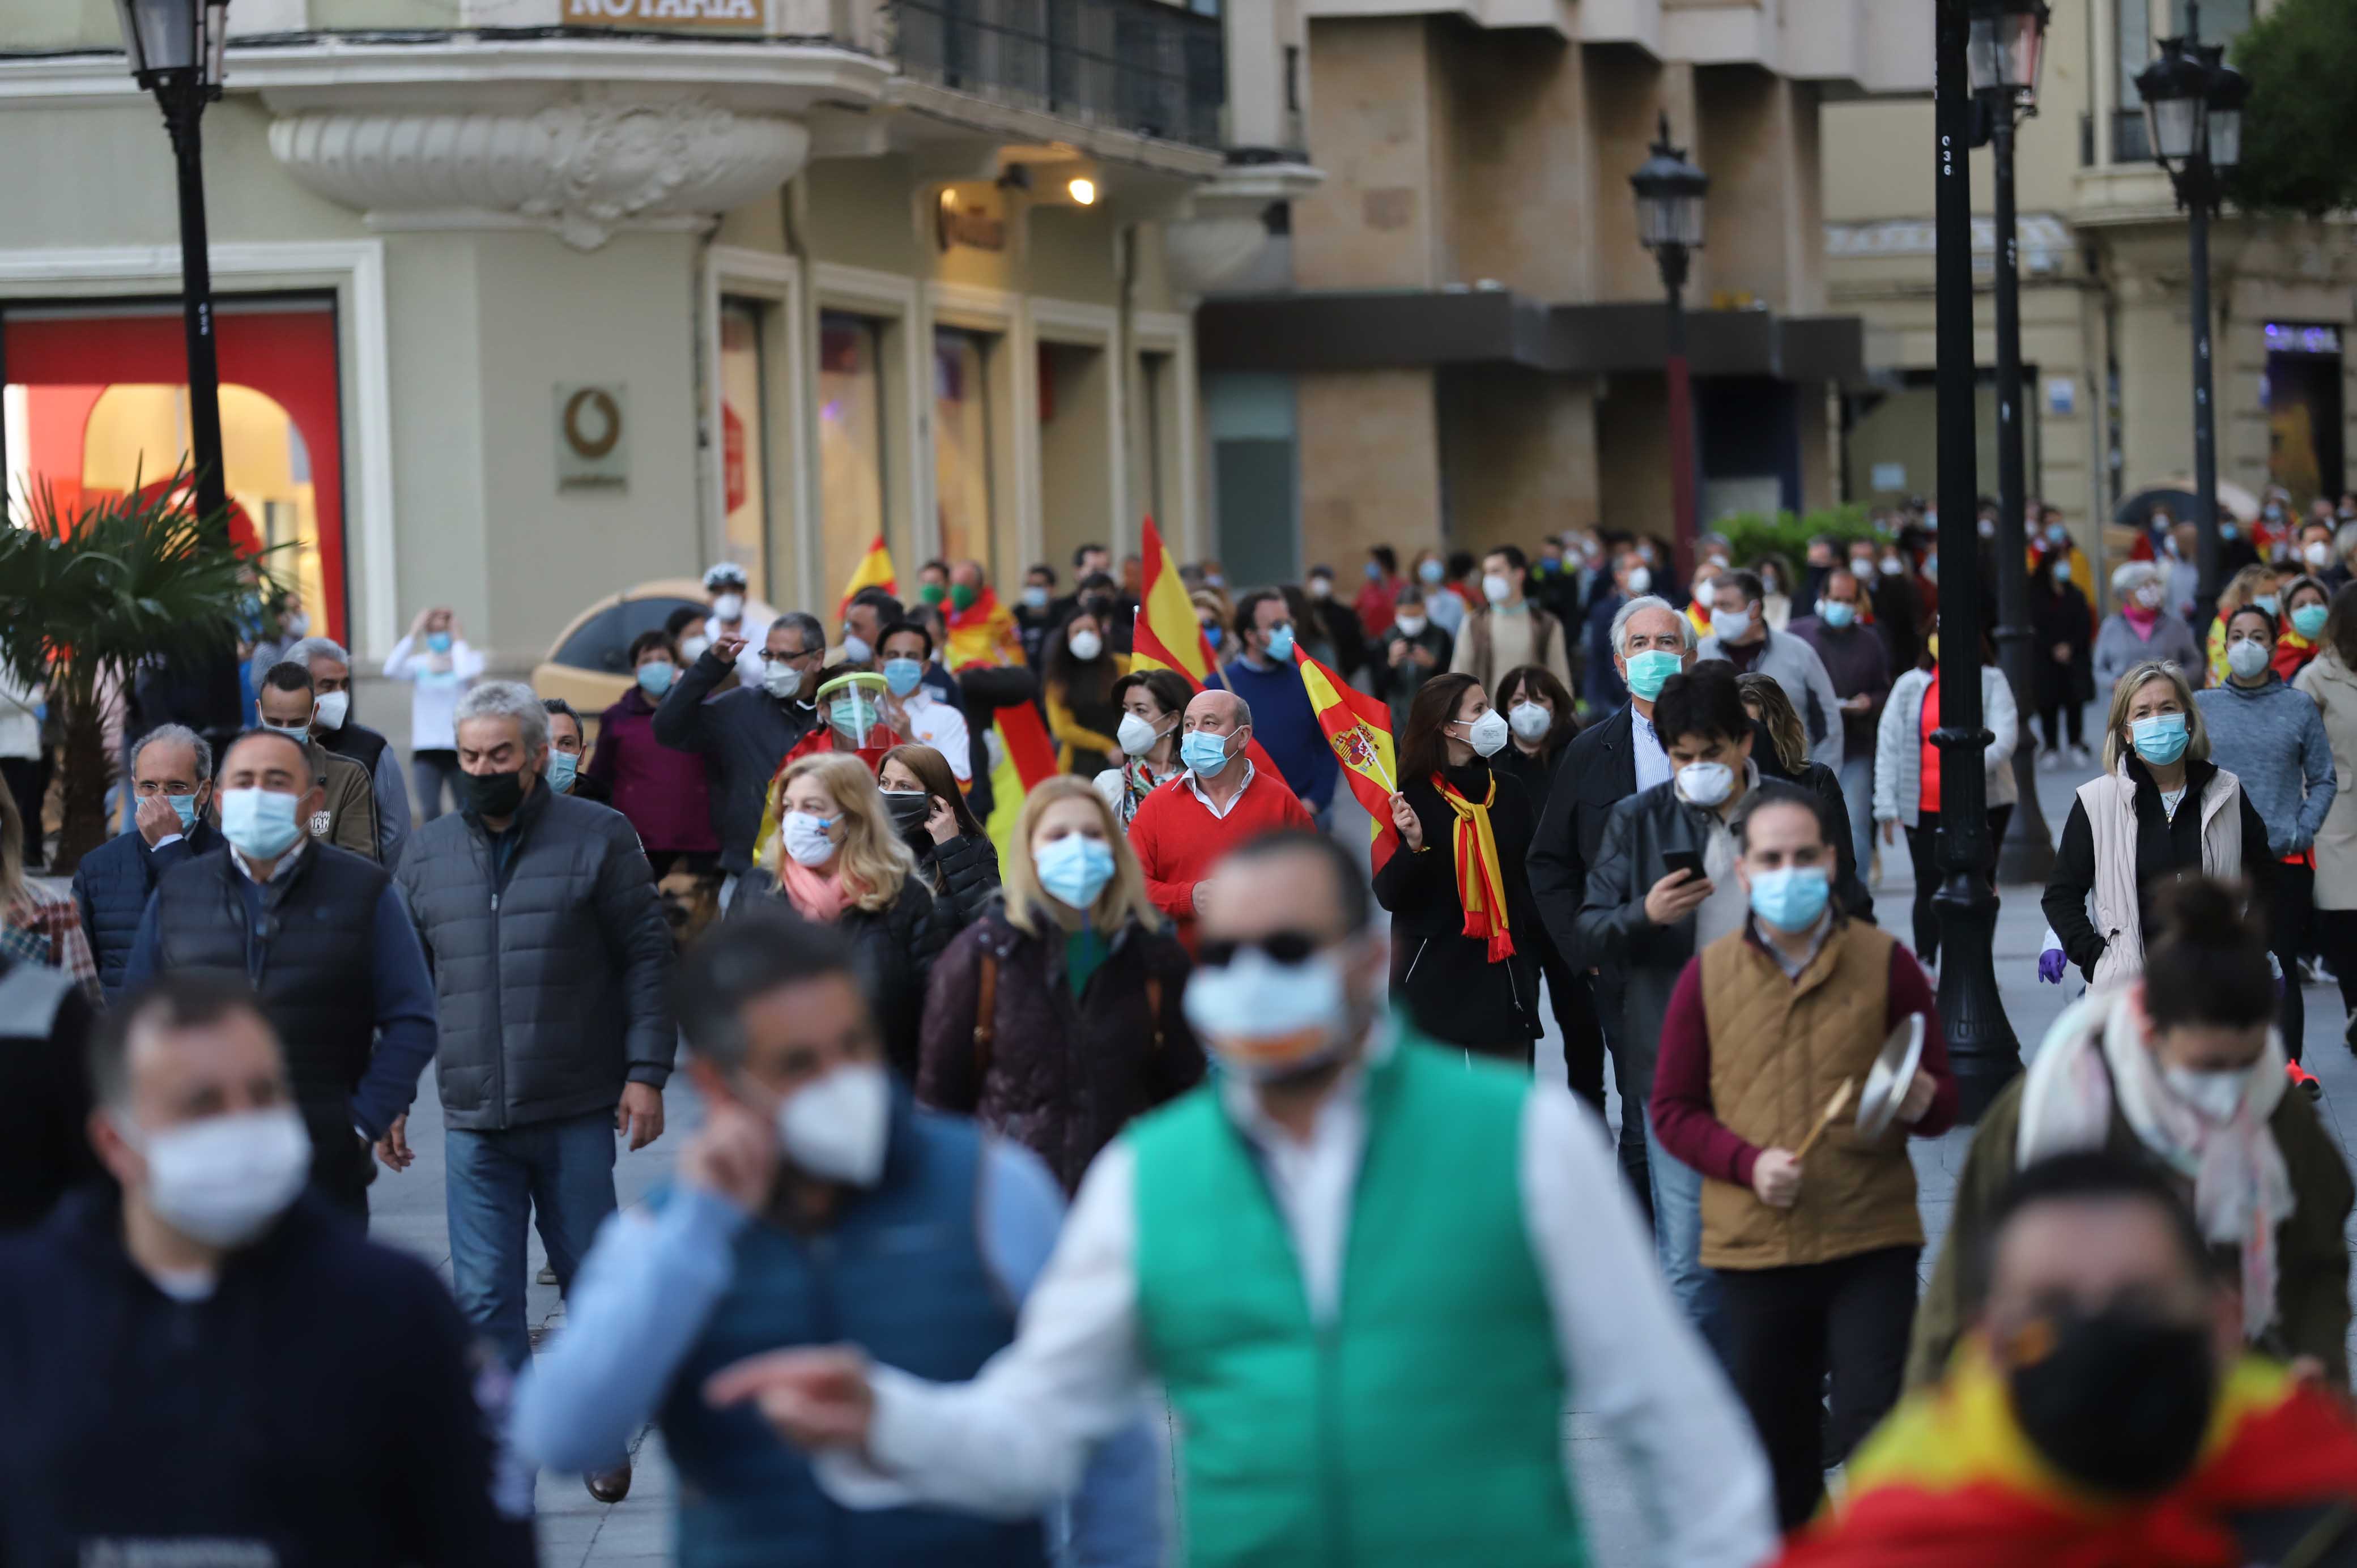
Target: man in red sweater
column 1183, row 828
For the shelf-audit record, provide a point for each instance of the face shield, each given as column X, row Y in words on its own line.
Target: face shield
column 854, row 706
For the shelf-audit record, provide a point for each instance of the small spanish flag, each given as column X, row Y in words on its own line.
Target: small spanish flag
column 1358, row 728
column 874, row 571
column 1167, row 635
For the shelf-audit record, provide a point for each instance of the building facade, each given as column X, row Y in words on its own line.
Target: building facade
column 1461, row 340
column 2105, row 305
column 524, row 302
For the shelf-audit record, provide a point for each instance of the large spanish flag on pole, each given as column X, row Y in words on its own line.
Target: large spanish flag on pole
column 874, row 571
column 1167, row 635
column 1358, row 728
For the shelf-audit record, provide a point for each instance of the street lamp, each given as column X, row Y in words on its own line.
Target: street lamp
column 2193, row 111
column 2007, row 46
column 176, row 49
column 1670, row 194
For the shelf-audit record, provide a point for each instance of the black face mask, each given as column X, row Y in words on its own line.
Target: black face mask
column 908, row 808
column 2119, row 1403
column 491, row 794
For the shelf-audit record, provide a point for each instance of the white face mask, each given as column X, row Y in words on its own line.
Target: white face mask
column 1729, row 625
column 1410, row 626
column 331, row 709
column 781, row 681
column 1487, row 734
column 1706, row 783
column 1085, row 645
column 223, row 1180
column 692, row 648
column 2216, row 1095
column 855, row 648
column 2149, row 596
column 1137, row 735
column 2247, row 658
column 2316, row 553
column 1640, row 582
column 729, row 607
column 1495, row 588
column 806, row 838
column 1530, row 721
column 840, row 1128
column 1266, row 1021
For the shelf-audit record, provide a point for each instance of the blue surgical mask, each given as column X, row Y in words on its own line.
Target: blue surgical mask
column 2266, row 602
column 1374, row 571
column 1035, row 598
column 655, row 679
column 1791, row 898
column 1431, row 570
column 1211, row 634
column 1650, row 669
column 261, row 824
column 185, row 807
column 1280, row 643
column 439, row 641
column 902, row 675
column 562, row 766
column 2160, row 739
column 2309, row 621
column 1074, row 869
column 1837, row 613
column 2229, row 533
column 1205, row 754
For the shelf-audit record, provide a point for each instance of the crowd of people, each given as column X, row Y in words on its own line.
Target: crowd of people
column 1045, row 1115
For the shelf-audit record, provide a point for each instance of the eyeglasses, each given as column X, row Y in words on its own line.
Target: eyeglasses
column 1281, row 947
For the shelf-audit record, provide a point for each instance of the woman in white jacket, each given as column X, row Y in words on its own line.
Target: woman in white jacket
column 1907, row 773
column 435, row 658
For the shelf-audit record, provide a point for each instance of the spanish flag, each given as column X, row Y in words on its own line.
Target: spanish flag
column 1167, row 635
column 874, row 571
column 1358, row 728
column 1952, row 1481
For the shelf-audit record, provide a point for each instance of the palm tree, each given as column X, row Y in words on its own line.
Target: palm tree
column 91, row 597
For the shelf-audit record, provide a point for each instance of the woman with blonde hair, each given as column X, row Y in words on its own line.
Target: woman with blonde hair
column 838, row 860
column 1056, row 1017
column 2161, row 807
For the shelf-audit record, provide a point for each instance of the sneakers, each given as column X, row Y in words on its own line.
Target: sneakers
column 2305, row 1080
column 2050, row 761
column 2081, row 757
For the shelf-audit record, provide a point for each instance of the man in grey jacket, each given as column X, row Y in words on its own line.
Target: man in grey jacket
column 551, row 958
column 1740, row 635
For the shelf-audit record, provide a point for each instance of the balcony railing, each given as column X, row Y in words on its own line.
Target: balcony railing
column 1131, row 65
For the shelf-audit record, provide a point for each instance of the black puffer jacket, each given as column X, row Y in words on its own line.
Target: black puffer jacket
column 1443, row 977
column 963, row 874
column 111, row 888
column 893, row 949
column 743, row 735
column 553, row 970
column 1064, row 1074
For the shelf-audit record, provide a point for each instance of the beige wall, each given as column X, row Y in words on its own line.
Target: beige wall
column 1075, row 454
column 1519, row 210
column 1370, row 462
column 1632, row 454
column 1520, row 452
column 1380, row 137
column 1766, row 233
column 1626, row 90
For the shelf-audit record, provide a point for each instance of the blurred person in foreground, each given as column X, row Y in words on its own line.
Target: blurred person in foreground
column 200, row 1364
column 2103, row 1409
column 45, row 1024
column 816, row 1205
column 1281, row 1221
column 2181, row 1070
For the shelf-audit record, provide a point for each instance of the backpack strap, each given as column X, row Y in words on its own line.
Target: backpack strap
column 986, row 1018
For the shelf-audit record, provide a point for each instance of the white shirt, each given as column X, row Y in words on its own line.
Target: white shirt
column 1216, row 809
column 1019, row 1432
column 433, row 704
column 285, row 861
column 942, row 727
column 1652, row 762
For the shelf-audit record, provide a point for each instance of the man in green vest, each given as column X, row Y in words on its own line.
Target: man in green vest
column 1371, row 1278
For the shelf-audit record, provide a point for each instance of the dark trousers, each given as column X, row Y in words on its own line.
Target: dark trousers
column 1786, row 1328
column 1575, row 1015
column 1634, row 1168
column 2289, row 913
column 1922, row 847
column 2069, row 714
column 2336, row 939
column 23, row 776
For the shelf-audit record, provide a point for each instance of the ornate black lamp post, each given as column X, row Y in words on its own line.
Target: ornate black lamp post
column 1670, row 194
column 2007, row 45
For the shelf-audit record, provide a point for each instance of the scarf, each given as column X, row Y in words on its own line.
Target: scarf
column 820, row 900
column 1139, row 780
column 2242, row 1190
column 1951, row 1481
column 2140, row 618
column 1480, row 881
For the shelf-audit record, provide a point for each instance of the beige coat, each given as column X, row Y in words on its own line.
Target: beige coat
column 2333, row 688
column 2110, row 803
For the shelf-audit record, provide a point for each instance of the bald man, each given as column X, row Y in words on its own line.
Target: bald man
column 1221, row 801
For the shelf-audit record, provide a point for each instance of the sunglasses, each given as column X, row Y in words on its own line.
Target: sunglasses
column 1281, row 947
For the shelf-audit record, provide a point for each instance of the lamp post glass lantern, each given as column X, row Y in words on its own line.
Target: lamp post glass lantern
column 167, row 38
column 2008, row 47
column 1670, row 192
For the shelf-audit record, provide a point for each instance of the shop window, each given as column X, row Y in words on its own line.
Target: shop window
column 962, row 443
column 2302, row 394
column 744, row 459
column 96, row 403
column 850, row 441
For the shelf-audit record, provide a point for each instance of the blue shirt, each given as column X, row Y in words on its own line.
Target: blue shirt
column 647, row 1288
column 1287, row 729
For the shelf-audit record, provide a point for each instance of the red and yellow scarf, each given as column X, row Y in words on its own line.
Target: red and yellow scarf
column 1951, row 1481
column 1481, row 883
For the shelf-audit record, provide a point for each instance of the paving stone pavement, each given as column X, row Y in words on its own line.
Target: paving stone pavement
column 576, row 1531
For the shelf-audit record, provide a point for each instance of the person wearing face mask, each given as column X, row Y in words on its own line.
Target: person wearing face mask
column 913, row 708
column 1414, row 650
column 347, row 815
column 2273, row 739
column 734, row 618
column 1153, row 705
column 200, row 1363
column 743, row 735
column 1605, row 763
column 322, row 937
column 2161, row 807
column 1381, row 588
column 1816, row 1264
column 439, row 664
column 1057, row 1017
column 2306, row 606
column 1223, row 800
column 1739, row 634
column 1632, row 579
column 552, row 961
column 2142, row 631
column 566, row 750
column 1891, row 604
column 790, row 1222
column 2179, row 1068
column 2062, row 642
column 2049, row 535
column 839, row 860
column 1509, row 629
column 1266, row 677
column 2330, row 681
column 1035, row 609
column 333, row 726
column 1335, row 625
column 1443, row 605
column 2101, row 1407
column 2252, row 585
column 981, row 631
column 955, row 855
column 172, row 780
column 1857, row 663
column 1076, row 674
column 1231, row 1248
column 666, row 793
column 1464, row 949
